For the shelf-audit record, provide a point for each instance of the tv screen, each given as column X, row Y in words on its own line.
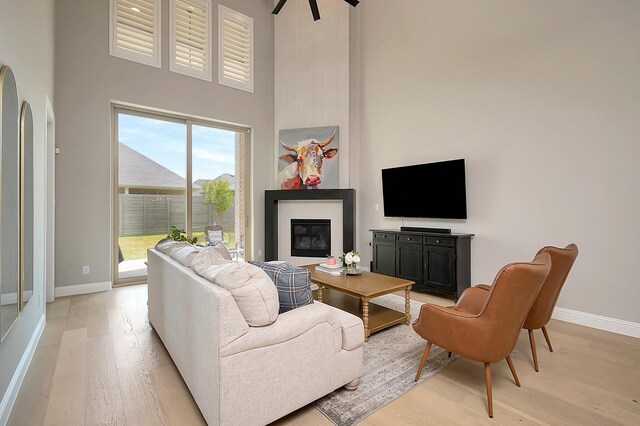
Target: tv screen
column 433, row 190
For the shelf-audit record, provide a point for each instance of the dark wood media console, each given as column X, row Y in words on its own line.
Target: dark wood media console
column 436, row 262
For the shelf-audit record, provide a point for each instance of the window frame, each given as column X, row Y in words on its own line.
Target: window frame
column 189, row 121
column 120, row 52
column 248, row 86
column 207, row 73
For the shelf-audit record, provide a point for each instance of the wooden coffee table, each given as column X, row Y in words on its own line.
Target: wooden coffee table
column 352, row 293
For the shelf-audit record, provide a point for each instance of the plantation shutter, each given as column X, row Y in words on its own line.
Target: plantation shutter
column 190, row 42
column 236, row 49
column 134, row 27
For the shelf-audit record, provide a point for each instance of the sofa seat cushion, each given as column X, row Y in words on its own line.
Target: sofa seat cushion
column 352, row 330
column 251, row 288
column 293, row 284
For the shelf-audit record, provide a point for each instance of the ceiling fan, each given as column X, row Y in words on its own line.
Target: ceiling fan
column 314, row 7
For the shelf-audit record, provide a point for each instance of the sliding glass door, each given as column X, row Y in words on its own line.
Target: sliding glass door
column 175, row 172
column 216, row 203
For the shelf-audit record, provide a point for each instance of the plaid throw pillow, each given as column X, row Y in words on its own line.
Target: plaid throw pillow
column 293, row 284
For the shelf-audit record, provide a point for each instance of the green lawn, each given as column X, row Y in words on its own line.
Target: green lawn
column 136, row 247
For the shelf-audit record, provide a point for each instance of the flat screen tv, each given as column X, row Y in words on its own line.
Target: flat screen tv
column 432, row 190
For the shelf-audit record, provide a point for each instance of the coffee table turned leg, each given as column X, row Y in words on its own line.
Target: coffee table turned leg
column 407, row 304
column 365, row 318
column 319, row 293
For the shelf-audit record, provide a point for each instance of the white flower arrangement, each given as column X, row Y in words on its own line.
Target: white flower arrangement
column 351, row 259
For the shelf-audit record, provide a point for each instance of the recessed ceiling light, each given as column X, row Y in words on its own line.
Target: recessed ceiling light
column 135, row 9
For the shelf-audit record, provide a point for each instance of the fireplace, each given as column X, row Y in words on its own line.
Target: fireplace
column 273, row 222
column 310, row 237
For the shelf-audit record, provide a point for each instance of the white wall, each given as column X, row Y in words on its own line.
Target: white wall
column 312, row 71
column 26, row 45
column 88, row 80
column 541, row 98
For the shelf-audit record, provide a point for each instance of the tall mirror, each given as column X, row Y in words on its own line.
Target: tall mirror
column 9, row 199
column 26, row 203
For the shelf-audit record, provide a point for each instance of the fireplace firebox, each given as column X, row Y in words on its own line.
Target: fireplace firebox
column 310, row 237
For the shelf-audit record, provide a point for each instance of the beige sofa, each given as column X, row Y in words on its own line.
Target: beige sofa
column 242, row 375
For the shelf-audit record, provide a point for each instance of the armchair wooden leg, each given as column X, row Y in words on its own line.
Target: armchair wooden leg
column 424, row 360
column 546, row 336
column 487, row 380
column 513, row 370
column 532, row 342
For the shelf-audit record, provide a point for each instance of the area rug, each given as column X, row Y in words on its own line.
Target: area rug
column 391, row 359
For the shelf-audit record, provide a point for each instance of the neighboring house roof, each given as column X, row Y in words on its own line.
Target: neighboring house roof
column 225, row 176
column 138, row 171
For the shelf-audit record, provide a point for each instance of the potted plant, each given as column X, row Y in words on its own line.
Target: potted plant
column 180, row 235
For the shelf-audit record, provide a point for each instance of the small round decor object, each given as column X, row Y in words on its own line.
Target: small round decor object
column 331, row 260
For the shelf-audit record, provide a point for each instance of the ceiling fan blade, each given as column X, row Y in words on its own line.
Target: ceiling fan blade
column 353, row 3
column 314, row 9
column 276, row 9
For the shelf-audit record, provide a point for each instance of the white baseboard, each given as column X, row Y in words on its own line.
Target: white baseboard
column 72, row 290
column 8, row 299
column 614, row 325
column 12, row 298
column 18, row 376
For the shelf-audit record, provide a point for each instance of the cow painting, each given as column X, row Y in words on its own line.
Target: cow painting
column 305, row 159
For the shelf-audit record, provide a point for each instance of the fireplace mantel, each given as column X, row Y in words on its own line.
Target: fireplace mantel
column 272, row 197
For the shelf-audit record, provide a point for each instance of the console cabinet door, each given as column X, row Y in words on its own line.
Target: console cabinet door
column 440, row 267
column 409, row 261
column 384, row 257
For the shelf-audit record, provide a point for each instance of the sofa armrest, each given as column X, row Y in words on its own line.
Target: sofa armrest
column 352, row 330
column 288, row 326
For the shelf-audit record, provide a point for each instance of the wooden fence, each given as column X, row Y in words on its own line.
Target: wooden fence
column 148, row 214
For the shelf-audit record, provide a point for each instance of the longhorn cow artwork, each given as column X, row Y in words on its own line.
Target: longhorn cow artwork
column 307, row 159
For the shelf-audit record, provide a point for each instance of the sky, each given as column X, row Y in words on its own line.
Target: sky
column 165, row 143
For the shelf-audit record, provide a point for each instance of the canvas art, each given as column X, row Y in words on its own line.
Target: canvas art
column 308, row 158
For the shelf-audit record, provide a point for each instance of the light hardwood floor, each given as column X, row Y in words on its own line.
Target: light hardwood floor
column 99, row 363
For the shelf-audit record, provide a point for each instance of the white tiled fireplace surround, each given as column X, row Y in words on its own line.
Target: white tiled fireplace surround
column 305, row 209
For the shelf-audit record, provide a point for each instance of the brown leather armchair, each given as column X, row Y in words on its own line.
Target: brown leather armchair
column 562, row 260
column 484, row 325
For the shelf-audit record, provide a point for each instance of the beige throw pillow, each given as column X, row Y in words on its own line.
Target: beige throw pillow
column 251, row 288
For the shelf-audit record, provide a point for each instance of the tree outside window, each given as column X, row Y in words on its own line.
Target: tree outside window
column 219, row 195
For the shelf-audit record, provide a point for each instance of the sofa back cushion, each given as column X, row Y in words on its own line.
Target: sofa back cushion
column 293, row 283
column 167, row 244
column 185, row 253
column 222, row 250
column 251, row 288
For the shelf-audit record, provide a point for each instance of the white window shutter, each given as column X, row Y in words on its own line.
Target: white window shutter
column 191, row 38
column 235, row 38
column 134, row 30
